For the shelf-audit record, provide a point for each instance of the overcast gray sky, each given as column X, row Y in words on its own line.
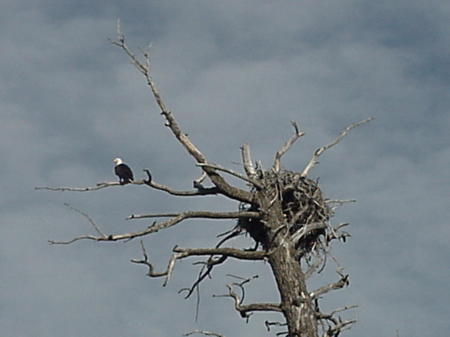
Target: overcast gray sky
column 232, row 72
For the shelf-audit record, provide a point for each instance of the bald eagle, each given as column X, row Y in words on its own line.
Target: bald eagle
column 123, row 171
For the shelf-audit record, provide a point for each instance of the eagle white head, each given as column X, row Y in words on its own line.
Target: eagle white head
column 118, row 161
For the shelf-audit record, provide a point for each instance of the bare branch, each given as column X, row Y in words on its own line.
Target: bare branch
column 149, row 182
column 314, row 160
column 204, row 332
column 342, row 282
column 286, row 147
column 247, row 161
column 233, row 173
column 199, row 191
column 200, row 214
column 246, row 310
column 209, row 264
column 231, row 252
column 178, row 255
column 144, row 68
column 151, row 272
column 101, row 236
column 78, row 238
column 339, row 327
column 167, row 273
column 181, row 253
column 83, row 189
column 155, row 227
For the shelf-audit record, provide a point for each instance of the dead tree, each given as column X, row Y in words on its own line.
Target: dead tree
column 284, row 212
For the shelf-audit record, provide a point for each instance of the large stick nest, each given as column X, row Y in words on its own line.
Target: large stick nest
column 302, row 204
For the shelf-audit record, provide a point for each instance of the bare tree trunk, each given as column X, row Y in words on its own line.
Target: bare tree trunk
column 296, row 303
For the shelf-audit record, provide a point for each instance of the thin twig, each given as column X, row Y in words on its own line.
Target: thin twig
column 286, row 147
column 99, row 186
column 97, row 229
column 315, row 158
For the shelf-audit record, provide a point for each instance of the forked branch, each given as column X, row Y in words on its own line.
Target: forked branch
column 247, row 309
column 151, row 272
